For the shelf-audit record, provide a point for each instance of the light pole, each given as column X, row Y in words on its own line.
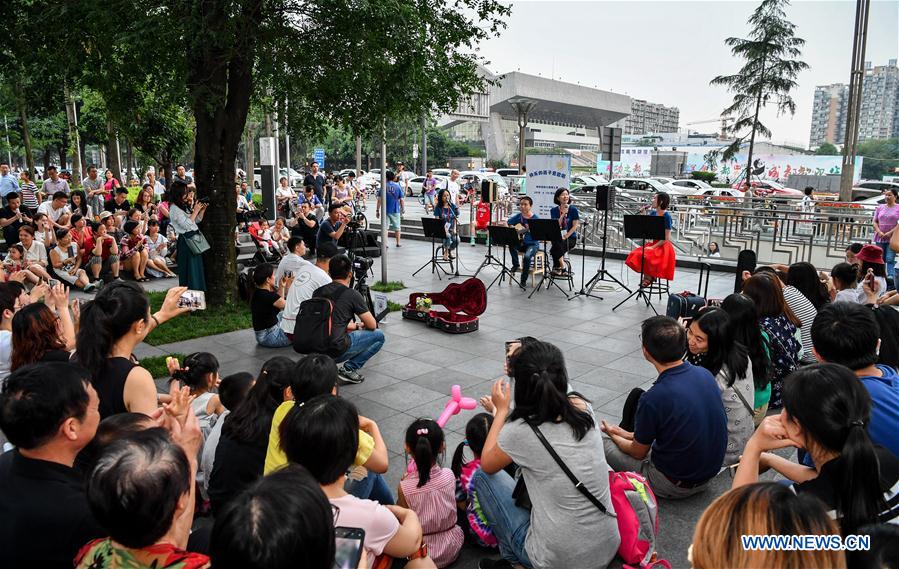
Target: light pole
column 383, row 200
column 523, row 106
column 856, row 80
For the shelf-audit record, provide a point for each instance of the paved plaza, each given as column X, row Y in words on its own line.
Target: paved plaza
column 412, row 375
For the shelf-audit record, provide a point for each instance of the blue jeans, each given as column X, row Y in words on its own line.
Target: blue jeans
column 372, row 487
column 889, row 257
column 363, row 345
column 509, row 522
column 529, row 252
column 273, row 337
column 450, row 242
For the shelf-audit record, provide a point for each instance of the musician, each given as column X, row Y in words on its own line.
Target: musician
column 528, row 245
column 569, row 219
column 659, row 258
column 447, row 211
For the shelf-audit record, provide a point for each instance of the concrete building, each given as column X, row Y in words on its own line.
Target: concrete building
column 647, row 118
column 829, row 115
column 559, row 115
column 878, row 115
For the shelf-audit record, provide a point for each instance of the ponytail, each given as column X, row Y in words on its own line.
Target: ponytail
column 195, row 369
column 475, row 436
column 541, row 389
column 107, row 318
column 424, row 438
column 834, row 408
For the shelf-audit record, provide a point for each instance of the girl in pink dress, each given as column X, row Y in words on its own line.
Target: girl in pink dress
column 430, row 491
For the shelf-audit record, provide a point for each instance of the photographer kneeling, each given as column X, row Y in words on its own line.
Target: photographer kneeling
column 351, row 343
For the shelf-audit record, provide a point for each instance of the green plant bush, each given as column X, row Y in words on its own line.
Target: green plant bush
column 707, row 177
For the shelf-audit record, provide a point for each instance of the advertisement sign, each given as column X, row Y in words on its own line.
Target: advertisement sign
column 636, row 162
column 546, row 174
column 319, row 156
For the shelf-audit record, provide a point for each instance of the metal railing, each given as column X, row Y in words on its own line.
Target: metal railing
column 776, row 228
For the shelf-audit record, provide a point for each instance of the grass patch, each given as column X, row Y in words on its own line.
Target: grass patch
column 197, row 324
column 394, row 306
column 156, row 365
column 389, row 286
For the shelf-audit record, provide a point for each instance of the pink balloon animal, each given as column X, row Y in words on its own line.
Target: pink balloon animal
column 453, row 407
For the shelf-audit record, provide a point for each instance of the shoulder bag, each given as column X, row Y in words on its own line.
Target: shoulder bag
column 196, row 242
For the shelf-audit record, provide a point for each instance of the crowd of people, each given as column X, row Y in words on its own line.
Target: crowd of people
column 92, row 235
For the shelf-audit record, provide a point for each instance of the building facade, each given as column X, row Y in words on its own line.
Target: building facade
column 647, row 118
column 878, row 114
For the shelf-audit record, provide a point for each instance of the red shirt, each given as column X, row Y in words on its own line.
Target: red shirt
column 85, row 240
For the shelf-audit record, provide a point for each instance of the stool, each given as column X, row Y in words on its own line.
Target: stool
column 537, row 267
column 659, row 287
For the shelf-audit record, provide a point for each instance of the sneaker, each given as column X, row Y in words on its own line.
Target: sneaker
column 494, row 564
column 516, row 269
column 523, row 282
column 349, row 375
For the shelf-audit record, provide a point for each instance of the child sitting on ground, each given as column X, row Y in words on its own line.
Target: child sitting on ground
column 473, row 521
column 429, row 491
column 233, row 389
column 201, row 373
column 265, row 238
column 15, row 263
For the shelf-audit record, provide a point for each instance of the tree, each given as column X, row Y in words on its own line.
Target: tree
column 881, row 158
column 827, row 149
column 768, row 75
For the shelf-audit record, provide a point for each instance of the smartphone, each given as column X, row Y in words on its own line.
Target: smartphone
column 204, row 200
column 193, row 299
column 869, row 279
column 52, row 282
column 288, row 274
column 349, row 543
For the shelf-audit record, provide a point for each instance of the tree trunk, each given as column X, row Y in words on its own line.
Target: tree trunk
column 112, row 153
column 62, row 149
column 220, row 82
column 129, row 161
column 26, row 132
column 46, row 160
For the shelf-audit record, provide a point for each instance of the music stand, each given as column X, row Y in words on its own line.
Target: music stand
column 546, row 230
column 433, row 228
column 643, row 227
column 604, row 201
column 501, row 236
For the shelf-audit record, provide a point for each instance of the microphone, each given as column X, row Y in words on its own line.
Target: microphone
column 644, row 207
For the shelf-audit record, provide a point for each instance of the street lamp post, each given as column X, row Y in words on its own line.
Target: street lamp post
column 523, row 106
column 856, row 80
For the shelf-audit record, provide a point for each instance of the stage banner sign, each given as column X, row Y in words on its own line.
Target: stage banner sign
column 546, row 174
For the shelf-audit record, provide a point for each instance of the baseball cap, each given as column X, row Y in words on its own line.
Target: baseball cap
column 104, row 215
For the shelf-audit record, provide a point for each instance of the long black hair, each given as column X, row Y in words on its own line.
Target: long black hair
column 744, row 320
column 424, row 437
column 105, row 319
column 724, row 352
column 834, row 409
column 804, row 277
column 540, row 389
column 82, row 207
column 475, row 436
column 195, row 370
column 251, row 422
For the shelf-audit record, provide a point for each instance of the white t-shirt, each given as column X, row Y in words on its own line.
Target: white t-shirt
column 283, row 192
column 847, row 295
column 453, row 188
column 5, row 354
column 290, row 262
column 37, row 252
column 881, row 289
column 158, row 188
column 306, row 280
column 207, row 456
column 54, row 214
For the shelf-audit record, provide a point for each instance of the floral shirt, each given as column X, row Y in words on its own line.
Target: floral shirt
column 129, row 245
column 785, row 351
column 106, row 554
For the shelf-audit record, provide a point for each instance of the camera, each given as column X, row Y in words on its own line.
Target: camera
column 361, row 266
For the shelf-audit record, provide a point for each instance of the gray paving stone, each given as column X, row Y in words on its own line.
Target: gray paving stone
column 404, row 396
column 401, row 368
column 442, row 380
column 368, row 408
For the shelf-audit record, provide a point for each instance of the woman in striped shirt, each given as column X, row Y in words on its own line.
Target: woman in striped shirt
column 31, row 198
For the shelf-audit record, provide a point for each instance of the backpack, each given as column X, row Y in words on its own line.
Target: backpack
column 636, row 510
column 315, row 331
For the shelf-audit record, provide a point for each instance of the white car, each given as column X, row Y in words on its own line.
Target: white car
column 295, row 179
column 416, row 183
column 689, row 187
column 638, row 184
column 347, row 171
column 871, row 188
column 441, row 172
column 662, row 179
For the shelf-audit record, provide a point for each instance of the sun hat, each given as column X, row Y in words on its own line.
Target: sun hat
column 871, row 254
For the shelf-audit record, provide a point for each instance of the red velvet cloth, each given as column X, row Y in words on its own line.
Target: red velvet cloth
column 659, row 262
column 469, row 297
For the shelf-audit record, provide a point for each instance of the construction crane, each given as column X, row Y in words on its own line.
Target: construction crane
column 723, row 120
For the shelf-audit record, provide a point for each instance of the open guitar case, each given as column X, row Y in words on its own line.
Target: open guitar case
column 462, row 304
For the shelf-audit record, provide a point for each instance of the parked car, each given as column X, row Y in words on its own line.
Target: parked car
column 295, row 179
column 441, row 171
column 346, row 172
column 586, row 182
column 505, row 172
column 662, row 179
column 638, row 184
column 471, row 181
column 416, row 183
column 689, row 187
column 763, row 188
column 871, row 188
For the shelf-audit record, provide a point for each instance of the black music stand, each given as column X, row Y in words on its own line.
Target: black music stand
column 546, row 230
column 601, row 273
column 643, row 227
column 434, row 228
column 501, row 236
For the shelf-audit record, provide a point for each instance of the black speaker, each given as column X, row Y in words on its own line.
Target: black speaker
column 605, row 198
column 746, row 260
column 488, row 191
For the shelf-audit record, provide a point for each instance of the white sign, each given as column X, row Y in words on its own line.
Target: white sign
column 546, row 174
column 267, row 151
column 415, row 151
column 380, row 301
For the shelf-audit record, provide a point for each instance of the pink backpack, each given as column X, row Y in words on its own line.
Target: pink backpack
column 638, row 519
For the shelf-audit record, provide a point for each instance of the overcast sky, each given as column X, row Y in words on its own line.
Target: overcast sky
column 668, row 51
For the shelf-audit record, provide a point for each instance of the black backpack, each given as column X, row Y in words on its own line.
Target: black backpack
column 315, row 331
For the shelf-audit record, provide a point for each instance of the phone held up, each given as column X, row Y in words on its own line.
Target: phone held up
column 193, row 299
column 349, row 542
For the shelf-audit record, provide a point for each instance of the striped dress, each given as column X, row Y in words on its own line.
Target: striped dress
column 435, row 505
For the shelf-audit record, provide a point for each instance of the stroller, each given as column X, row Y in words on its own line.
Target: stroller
column 264, row 254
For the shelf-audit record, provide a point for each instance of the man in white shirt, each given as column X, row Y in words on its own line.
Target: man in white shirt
column 293, row 260
column 306, row 280
column 93, row 188
column 453, row 186
column 158, row 188
column 57, row 210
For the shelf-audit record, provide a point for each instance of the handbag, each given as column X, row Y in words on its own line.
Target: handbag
column 196, row 242
column 520, row 493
